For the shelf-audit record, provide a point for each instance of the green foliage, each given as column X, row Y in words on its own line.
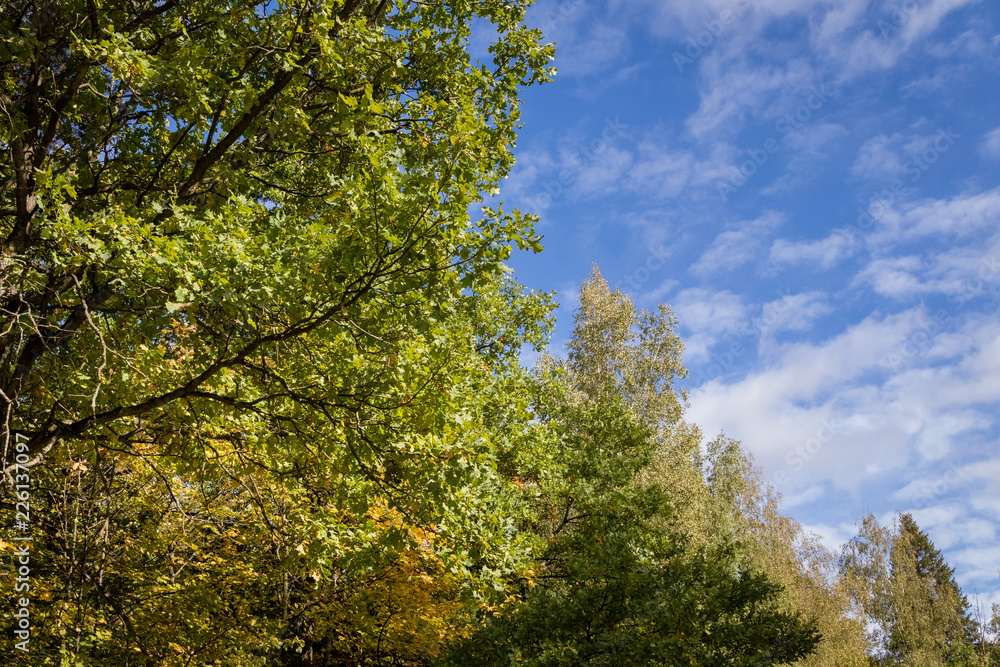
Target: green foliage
column 615, row 585
column 259, row 348
column 616, row 351
column 742, row 504
column 907, row 592
column 617, row 597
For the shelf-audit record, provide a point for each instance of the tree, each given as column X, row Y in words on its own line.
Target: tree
column 244, row 313
column 614, row 584
column 929, row 600
column 192, row 187
column 743, row 504
column 715, row 499
column 988, row 646
column 908, row 593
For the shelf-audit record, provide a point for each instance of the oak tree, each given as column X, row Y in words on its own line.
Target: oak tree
column 245, row 312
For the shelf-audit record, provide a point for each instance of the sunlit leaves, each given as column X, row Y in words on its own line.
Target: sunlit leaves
column 237, row 286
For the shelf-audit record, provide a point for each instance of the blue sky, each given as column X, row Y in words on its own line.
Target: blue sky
column 814, row 188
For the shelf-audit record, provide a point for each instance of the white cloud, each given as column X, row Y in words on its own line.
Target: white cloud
column 986, row 476
column 827, row 418
column 793, row 312
column 832, row 537
column 823, row 253
column 702, row 309
column 600, row 175
column 964, row 215
column 806, row 394
column 853, row 36
column 810, row 495
column 682, row 19
column 707, row 315
column 808, row 148
column 979, row 564
column 813, row 139
column 990, row 146
column 738, row 245
column 932, row 487
column 658, row 294
column 524, row 186
column 602, row 47
column 926, row 18
column 929, row 85
column 959, row 273
column 895, row 277
column 655, row 235
column 588, row 42
column 935, row 439
column 877, row 158
column 583, row 162
column 663, row 171
column 839, row 20
column 836, row 412
column 732, row 90
column 904, row 155
column 890, row 34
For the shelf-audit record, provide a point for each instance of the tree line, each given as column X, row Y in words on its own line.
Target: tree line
column 260, row 377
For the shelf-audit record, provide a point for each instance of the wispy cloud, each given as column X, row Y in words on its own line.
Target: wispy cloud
column 962, row 216
column 990, row 145
column 793, row 312
column 881, row 39
column 957, row 273
column 738, row 245
column 879, row 420
column 823, row 253
column 707, row 315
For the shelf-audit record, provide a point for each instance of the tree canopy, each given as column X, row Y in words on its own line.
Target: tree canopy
column 916, row 612
column 249, row 330
column 617, row 583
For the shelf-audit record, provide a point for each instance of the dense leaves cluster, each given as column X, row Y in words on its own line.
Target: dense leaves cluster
column 264, row 360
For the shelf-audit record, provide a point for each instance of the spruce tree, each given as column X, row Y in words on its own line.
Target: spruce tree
column 932, row 613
